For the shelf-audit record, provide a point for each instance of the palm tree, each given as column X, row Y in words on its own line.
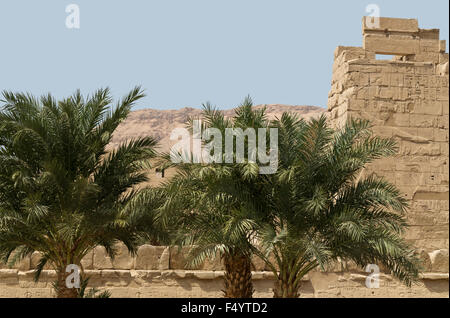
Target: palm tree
column 219, row 204
column 323, row 209
column 61, row 192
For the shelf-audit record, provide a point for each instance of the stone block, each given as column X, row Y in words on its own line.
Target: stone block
column 22, row 265
column 400, row 120
column 101, row 259
column 88, row 260
column 443, row 64
column 442, row 46
column 439, row 261
column 204, row 274
column 164, row 261
column 442, row 93
column 430, row 45
column 7, row 273
column 258, row 263
column 391, row 46
column 425, row 260
column 179, row 258
column 391, row 24
column 423, row 120
column 409, row 178
column 123, row 259
column 429, row 34
column 148, row 257
column 441, row 135
column 214, row 264
column 426, row 133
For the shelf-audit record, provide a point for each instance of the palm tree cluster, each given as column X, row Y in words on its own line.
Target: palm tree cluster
column 62, row 193
column 316, row 209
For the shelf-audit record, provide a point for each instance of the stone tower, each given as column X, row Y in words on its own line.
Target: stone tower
column 405, row 98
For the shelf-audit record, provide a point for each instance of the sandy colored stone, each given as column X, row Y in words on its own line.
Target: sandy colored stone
column 204, row 274
column 439, row 261
column 215, row 264
column 148, row 257
column 425, row 260
column 22, row 265
column 389, row 46
column 391, row 24
column 125, row 283
column 258, row 264
column 405, row 98
column 101, row 259
column 123, row 259
column 179, row 257
column 164, row 261
column 88, row 261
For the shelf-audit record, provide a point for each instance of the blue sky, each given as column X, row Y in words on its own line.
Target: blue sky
column 187, row 52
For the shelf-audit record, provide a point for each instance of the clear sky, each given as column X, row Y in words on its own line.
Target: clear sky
column 187, row 52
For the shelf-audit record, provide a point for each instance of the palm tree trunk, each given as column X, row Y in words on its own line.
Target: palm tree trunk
column 238, row 276
column 289, row 278
column 61, row 289
column 287, row 285
column 286, row 289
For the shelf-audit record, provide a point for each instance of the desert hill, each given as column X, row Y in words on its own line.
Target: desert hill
column 160, row 123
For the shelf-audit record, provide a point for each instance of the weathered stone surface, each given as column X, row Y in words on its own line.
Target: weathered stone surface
column 101, row 258
column 22, row 265
column 123, row 259
column 7, row 273
column 204, row 274
column 215, row 264
column 179, row 283
column 391, row 46
column 164, row 261
column 425, row 259
column 406, row 99
column 179, row 258
column 391, row 24
column 258, row 263
column 88, row 261
column 148, row 257
column 439, row 261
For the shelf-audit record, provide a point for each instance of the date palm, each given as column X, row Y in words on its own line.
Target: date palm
column 323, row 209
column 62, row 193
column 219, row 204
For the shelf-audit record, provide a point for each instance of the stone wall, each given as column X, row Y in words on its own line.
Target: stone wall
column 406, row 98
column 159, row 271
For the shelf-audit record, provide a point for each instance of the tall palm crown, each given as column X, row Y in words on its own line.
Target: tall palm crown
column 219, row 204
column 61, row 192
column 323, row 208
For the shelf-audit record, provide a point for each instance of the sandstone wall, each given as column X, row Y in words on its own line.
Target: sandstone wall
column 158, row 271
column 405, row 98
